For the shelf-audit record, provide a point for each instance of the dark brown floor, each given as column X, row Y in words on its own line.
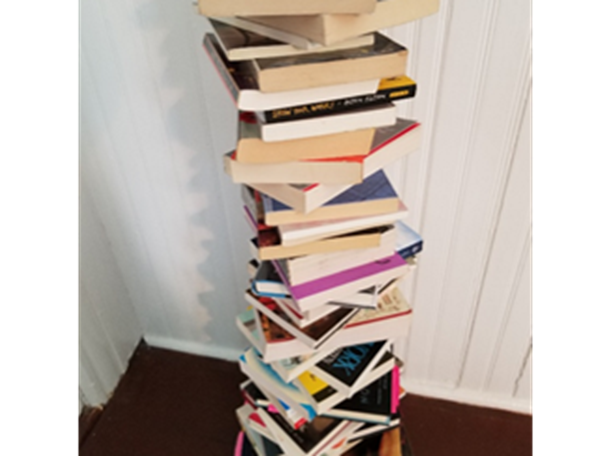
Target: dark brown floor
column 174, row 404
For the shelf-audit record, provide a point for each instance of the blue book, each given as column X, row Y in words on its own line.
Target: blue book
column 408, row 242
column 267, row 282
column 375, row 195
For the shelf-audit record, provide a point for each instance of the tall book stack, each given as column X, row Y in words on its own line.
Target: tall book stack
column 315, row 84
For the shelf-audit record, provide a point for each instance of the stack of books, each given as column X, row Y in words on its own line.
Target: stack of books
column 315, row 84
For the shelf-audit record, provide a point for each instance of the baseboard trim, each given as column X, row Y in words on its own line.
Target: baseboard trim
column 469, row 397
column 194, row 348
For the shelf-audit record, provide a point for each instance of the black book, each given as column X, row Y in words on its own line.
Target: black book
column 370, row 404
column 390, row 89
column 346, row 368
column 271, row 448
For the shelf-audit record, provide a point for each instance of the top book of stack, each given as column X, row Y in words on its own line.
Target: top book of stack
column 329, row 29
column 284, row 7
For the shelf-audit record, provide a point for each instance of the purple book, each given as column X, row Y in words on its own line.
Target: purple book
column 350, row 280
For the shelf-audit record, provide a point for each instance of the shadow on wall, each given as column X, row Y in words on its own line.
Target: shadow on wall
column 200, row 126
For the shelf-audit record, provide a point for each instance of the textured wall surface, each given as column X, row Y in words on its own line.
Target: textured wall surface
column 156, row 121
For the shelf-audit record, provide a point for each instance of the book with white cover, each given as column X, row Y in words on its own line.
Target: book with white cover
column 367, row 117
column 265, row 377
column 239, row 80
column 391, row 319
column 310, row 267
column 298, row 233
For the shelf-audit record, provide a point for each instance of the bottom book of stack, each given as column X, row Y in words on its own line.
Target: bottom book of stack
column 322, row 436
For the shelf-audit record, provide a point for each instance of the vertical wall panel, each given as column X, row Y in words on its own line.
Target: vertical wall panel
column 109, row 328
column 156, row 120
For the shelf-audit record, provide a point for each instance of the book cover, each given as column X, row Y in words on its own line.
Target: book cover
column 366, row 197
column 347, row 365
column 267, row 282
column 389, row 89
column 314, row 334
column 262, row 374
column 372, row 403
column 317, row 289
column 390, row 304
column 312, row 436
column 408, row 242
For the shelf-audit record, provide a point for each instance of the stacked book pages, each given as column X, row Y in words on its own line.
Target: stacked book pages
column 316, row 86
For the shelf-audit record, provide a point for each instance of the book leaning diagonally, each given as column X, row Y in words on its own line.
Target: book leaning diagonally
column 333, row 28
column 390, row 143
column 239, row 44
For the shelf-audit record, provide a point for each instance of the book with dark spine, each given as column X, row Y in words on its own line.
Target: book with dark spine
column 390, row 89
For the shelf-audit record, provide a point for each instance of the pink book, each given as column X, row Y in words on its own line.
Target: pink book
column 341, row 284
column 239, row 444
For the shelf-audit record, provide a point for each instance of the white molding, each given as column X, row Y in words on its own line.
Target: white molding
column 469, row 397
column 194, row 348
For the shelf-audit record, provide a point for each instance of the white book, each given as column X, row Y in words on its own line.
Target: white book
column 298, row 233
column 310, row 267
column 368, row 117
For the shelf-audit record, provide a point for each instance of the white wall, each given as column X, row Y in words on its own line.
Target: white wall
column 109, row 327
column 156, row 120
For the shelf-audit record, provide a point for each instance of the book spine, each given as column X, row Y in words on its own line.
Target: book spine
column 411, row 250
column 218, row 62
column 344, row 104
